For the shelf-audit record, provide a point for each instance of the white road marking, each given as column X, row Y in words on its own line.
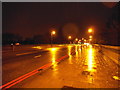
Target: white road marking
column 37, row 56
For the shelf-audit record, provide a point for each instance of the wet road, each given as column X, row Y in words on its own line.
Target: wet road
column 22, row 62
column 87, row 68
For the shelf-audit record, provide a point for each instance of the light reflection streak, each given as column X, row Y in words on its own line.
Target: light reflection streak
column 53, row 56
column 91, row 61
column 69, row 53
column 37, row 47
column 76, row 51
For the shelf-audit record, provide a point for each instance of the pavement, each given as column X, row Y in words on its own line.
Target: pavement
column 22, row 61
column 86, row 68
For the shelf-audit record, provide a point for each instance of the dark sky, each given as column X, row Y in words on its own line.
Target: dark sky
column 28, row 19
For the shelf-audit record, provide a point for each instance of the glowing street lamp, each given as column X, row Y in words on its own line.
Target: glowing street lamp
column 52, row 34
column 85, row 40
column 90, row 30
column 76, row 39
column 82, row 38
column 69, row 38
column 90, row 37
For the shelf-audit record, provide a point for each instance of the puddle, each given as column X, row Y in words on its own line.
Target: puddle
column 116, row 77
column 85, row 73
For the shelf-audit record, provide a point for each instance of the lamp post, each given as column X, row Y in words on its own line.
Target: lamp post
column 90, row 36
column 52, row 34
column 76, row 39
column 90, row 31
column 69, row 38
column 85, row 40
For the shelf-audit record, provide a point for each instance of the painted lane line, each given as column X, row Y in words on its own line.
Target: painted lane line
column 21, row 78
column 43, row 67
column 37, row 56
column 16, row 79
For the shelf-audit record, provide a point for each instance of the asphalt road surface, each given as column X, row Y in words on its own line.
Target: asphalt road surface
column 22, row 60
column 88, row 67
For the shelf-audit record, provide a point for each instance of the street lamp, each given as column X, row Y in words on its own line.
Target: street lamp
column 90, row 36
column 76, row 39
column 90, row 39
column 90, row 30
column 52, row 34
column 69, row 38
column 84, row 40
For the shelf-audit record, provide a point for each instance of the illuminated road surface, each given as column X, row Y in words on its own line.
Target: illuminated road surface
column 24, row 60
column 87, row 68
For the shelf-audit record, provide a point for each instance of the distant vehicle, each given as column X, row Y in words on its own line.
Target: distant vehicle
column 17, row 44
column 12, row 44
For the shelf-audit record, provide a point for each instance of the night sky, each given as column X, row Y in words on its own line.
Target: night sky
column 28, row 19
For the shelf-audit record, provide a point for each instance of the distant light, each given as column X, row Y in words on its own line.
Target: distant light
column 90, row 37
column 37, row 47
column 87, row 44
column 53, row 32
column 90, row 30
column 76, row 39
column 69, row 37
column 17, row 43
column 85, row 40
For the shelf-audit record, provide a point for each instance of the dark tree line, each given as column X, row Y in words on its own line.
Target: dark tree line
column 8, row 38
column 110, row 33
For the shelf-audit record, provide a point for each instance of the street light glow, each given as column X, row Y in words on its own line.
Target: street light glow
column 53, row 32
column 76, row 39
column 90, row 30
column 90, row 37
column 82, row 38
column 69, row 37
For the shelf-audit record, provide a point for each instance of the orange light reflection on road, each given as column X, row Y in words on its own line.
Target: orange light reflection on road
column 37, row 47
column 76, row 50
column 69, row 53
column 53, row 56
column 91, row 61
